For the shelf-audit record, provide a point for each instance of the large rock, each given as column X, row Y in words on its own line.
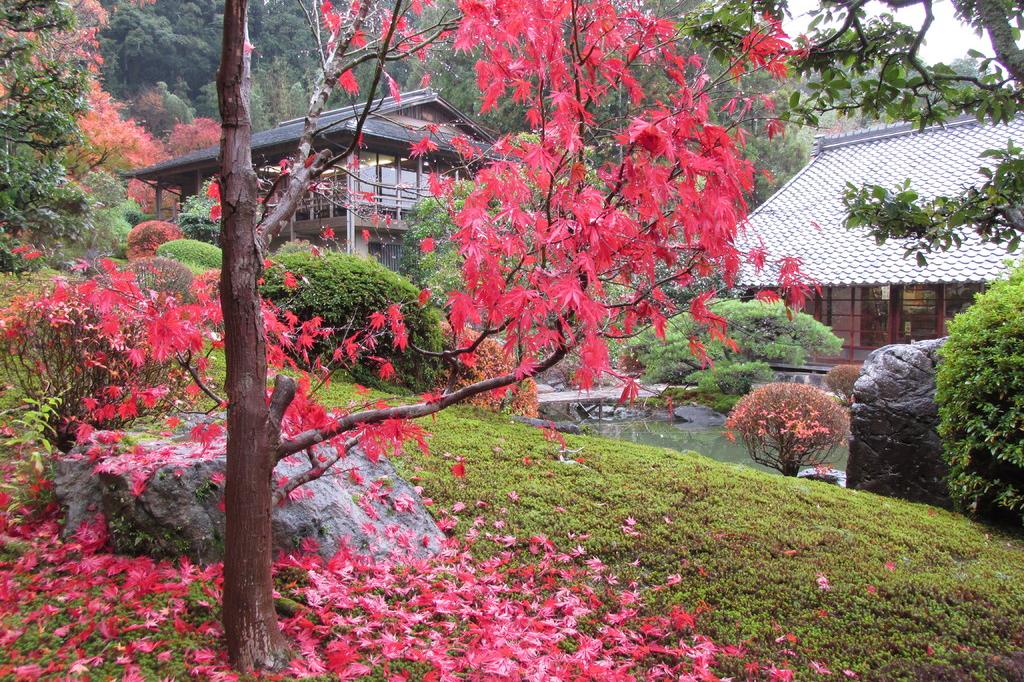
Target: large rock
column 699, row 415
column 895, row 448
column 166, row 499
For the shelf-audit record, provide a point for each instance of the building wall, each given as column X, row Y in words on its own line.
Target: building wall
column 869, row 317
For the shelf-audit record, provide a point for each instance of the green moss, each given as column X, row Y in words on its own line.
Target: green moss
column 749, row 547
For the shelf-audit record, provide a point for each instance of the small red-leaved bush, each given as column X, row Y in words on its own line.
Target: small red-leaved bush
column 490, row 360
column 789, row 426
column 110, row 351
column 145, row 238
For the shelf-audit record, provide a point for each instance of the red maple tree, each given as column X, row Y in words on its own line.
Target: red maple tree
column 568, row 239
column 188, row 137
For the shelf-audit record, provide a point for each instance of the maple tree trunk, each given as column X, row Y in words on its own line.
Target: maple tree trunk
column 250, row 623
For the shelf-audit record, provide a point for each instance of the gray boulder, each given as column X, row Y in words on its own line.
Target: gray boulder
column 895, row 448
column 699, row 415
column 174, row 506
column 824, row 474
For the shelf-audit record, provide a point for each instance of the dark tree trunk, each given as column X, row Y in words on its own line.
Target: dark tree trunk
column 250, row 624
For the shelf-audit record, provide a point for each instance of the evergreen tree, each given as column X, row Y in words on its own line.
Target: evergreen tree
column 43, row 92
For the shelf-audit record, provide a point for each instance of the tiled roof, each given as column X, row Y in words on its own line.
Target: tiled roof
column 805, row 218
column 332, row 123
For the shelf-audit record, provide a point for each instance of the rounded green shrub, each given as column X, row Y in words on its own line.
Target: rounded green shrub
column 194, row 218
column 763, row 332
column 344, row 291
column 981, row 403
column 733, row 378
column 191, row 252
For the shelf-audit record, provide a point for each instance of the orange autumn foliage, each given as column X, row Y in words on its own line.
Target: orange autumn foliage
column 145, row 238
column 111, row 142
column 199, row 134
column 489, row 360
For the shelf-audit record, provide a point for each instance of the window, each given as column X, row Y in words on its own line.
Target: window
column 919, row 313
column 389, row 255
column 958, row 297
column 409, row 180
column 859, row 316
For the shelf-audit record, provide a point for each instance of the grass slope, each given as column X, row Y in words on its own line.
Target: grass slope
column 914, row 592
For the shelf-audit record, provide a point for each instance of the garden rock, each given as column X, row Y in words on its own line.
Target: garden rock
column 699, row 415
column 895, row 448
column 825, row 475
column 176, row 508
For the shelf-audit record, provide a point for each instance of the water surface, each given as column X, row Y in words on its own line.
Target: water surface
column 678, row 435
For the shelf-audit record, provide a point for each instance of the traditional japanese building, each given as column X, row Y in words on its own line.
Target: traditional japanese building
column 366, row 203
column 874, row 294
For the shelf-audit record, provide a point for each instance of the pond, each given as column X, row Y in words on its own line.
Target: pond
column 678, row 435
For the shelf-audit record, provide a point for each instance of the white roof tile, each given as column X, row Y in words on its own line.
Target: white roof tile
column 805, row 218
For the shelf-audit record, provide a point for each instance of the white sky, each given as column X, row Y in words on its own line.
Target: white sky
column 947, row 38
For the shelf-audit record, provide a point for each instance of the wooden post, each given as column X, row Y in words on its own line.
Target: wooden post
column 350, row 215
column 895, row 312
column 940, row 310
column 159, row 200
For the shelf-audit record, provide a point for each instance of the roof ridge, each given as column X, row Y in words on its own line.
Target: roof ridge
column 384, row 104
column 885, row 130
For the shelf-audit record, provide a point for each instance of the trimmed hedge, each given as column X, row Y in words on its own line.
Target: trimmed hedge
column 840, row 380
column 732, row 378
column 192, row 252
column 980, row 391
column 345, row 290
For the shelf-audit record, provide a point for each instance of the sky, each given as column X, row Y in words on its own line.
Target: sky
column 947, row 38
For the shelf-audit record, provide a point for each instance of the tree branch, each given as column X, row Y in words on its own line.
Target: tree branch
column 312, row 437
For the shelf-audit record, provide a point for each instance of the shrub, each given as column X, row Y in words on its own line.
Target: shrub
column 789, row 426
column 134, row 214
column 17, row 258
column 489, row 360
column 344, row 291
column 981, row 402
column 191, row 252
column 194, row 219
column 840, row 380
column 296, row 246
column 145, row 238
column 107, row 228
column 732, row 378
column 762, row 331
column 163, row 275
column 64, row 343
column 438, row 269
